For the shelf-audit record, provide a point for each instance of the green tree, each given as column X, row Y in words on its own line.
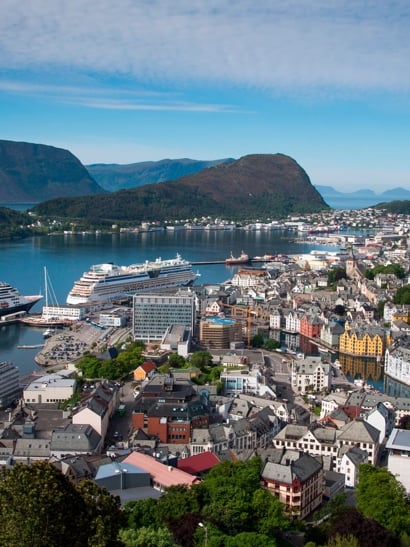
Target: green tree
column 176, row 361
column 103, row 514
column 39, row 506
column 249, row 539
column 343, row 541
column 147, row 537
column 257, row 341
column 382, row 497
column 402, row 295
column 201, row 359
column 271, row 344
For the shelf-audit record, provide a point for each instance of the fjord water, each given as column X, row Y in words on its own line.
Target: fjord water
column 67, row 256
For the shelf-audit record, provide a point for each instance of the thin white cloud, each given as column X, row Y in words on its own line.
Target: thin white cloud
column 269, row 44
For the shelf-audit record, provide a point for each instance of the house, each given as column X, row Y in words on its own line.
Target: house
column 349, row 459
column 311, row 326
column 331, row 402
column 97, row 407
column 310, row 373
column 75, row 439
column 144, row 371
column 297, row 481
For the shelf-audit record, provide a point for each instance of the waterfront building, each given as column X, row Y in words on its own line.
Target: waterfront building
column 115, row 318
column 153, row 314
column 398, row 446
column 296, row 480
column 310, row 373
column 310, row 326
column 365, row 341
column 9, row 383
column 397, row 360
column 63, row 313
column 331, row 333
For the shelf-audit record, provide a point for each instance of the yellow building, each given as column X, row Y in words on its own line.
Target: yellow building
column 364, row 341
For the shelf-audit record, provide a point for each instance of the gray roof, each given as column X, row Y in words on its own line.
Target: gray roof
column 358, row 431
column 399, row 440
column 294, row 466
column 75, row 438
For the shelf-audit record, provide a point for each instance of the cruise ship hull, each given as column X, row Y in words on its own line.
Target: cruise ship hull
column 108, row 282
column 23, row 306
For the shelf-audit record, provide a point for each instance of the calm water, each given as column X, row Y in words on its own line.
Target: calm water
column 65, row 257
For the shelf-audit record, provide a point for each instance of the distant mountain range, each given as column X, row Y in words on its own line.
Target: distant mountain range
column 31, row 173
column 361, row 198
column 255, row 186
column 113, row 177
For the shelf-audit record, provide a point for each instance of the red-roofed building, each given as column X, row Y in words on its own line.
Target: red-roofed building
column 162, row 475
column 199, row 464
column 144, row 371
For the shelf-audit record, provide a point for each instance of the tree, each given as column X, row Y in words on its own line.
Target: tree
column 176, row 361
column 147, row 537
column 382, row 497
column 271, row 344
column 104, row 515
column 257, row 341
column 201, row 359
column 402, row 295
column 39, row 506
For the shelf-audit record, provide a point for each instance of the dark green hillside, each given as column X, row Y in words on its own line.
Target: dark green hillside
column 14, row 223
column 256, row 186
column 31, row 173
column 399, row 207
column 113, row 177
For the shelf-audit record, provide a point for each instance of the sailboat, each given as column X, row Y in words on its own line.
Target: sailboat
column 46, row 319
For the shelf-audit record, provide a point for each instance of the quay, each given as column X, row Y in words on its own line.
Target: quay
column 210, row 262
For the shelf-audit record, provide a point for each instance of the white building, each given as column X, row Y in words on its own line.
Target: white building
column 9, row 383
column 348, row 464
column 245, row 381
column 310, row 373
column 331, row 402
column 398, row 446
column 63, row 313
column 112, row 319
column 177, row 339
column 51, row 388
column 397, row 360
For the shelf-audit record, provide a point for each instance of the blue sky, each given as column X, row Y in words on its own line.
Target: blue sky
column 122, row 81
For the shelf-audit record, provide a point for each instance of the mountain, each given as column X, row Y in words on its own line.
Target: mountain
column 255, row 186
column 114, row 177
column 360, row 199
column 30, row 173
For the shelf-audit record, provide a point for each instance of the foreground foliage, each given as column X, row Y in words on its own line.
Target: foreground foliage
column 39, row 506
column 93, row 367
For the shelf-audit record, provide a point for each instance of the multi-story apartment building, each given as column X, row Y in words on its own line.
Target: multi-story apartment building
column 9, row 383
column 323, row 441
column 310, row 373
column 297, row 480
column 154, row 313
column 365, row 342
column 310, row 326
column 397, row 360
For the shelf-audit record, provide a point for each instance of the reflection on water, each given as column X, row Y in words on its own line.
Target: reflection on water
column 395, row 388
column 364, row 368
column 368, row 369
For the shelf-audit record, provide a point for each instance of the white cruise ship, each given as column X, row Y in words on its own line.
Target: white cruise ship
column 11, row 301
column 107, row 282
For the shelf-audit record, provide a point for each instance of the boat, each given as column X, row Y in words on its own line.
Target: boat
column 11, row 301
column 242, row 259
column 107, row 282
column 48, row 332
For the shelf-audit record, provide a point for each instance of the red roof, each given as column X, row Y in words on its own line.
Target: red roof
column 198, row 463
column 148, row 366
column 162, row 475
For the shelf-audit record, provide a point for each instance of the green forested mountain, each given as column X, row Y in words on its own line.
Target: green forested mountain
column 255, row 186
column 30, row 173
column 398, row 207
column 113, row 177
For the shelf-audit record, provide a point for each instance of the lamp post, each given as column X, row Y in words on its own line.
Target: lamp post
column 202, row 525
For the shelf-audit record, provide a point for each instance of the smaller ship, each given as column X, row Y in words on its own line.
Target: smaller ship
column 11, row 301
column 242, row 259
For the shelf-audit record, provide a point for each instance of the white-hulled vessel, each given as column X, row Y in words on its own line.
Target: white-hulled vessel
column 105, row 282
column 11, row 301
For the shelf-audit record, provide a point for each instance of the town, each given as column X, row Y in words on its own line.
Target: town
column 260, row 365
